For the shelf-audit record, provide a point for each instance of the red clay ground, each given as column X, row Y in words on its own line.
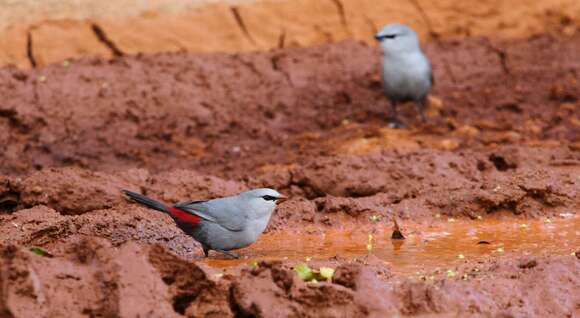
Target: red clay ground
column 503, row 139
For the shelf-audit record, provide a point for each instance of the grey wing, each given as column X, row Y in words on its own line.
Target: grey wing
column 219, row 211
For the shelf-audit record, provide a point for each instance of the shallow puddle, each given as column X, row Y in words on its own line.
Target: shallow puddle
column 442, row 244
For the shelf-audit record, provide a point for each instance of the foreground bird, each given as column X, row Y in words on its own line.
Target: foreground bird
column 406, row 72
column 221, row 224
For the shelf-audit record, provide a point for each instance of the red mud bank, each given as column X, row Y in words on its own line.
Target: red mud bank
column 235, row 115
column 89, row 278
column 502, row 140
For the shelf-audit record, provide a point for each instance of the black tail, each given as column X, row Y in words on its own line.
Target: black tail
column 148, row 202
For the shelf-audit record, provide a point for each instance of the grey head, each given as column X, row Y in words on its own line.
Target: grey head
column 262, row 201
column 397, row 38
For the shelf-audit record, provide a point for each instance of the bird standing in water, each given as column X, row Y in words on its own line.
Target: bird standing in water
column 222, row 224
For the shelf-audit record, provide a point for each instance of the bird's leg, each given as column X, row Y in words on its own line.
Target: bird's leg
column 230, row 254
column 205, row 250
column 395, row 122
column 421, row 109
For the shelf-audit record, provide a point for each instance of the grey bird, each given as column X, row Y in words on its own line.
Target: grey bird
column 406, row 72
column 222, row 224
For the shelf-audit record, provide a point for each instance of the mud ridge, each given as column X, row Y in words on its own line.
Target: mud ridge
column 178, row 288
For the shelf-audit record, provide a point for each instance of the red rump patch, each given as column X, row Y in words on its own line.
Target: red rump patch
column 184, row 216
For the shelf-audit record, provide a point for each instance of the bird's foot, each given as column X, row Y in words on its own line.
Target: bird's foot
column 230, row 254
column 396, row 123
column 423, row 118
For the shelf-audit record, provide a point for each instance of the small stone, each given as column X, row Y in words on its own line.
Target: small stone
column 449, row 144
column 36, row 190
column 468, row 130
column 435, row 102
column 526, row 264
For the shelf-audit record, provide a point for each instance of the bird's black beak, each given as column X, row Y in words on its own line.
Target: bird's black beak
column 379, row 37
column 281, row 199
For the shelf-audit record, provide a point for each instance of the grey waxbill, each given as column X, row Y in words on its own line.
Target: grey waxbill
column 222, row 224
column 406, row 71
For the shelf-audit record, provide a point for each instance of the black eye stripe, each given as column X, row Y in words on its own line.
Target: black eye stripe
column 386, row 36
column 269, row 198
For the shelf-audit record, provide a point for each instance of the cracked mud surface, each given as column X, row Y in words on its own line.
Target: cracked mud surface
column 502, row 141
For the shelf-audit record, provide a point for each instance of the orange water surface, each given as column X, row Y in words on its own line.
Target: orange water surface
column 442, row 244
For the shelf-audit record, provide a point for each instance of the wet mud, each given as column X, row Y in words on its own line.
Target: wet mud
column 498, row 162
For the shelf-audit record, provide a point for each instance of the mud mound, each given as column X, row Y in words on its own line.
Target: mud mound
column 230, row 115
column 327, row 193
column 79, row 202
column 417, row 186
column 88, row 277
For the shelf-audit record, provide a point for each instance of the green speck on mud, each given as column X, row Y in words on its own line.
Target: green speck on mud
column 40, row 251
column 304, row 272
column 312, row 275
column 327, row 272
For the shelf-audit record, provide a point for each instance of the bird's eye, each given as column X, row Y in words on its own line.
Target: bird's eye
column 269, row 198
column 385, row 36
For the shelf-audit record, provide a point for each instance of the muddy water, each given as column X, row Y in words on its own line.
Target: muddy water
column 440, row 245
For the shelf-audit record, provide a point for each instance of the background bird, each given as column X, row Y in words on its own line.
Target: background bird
column 222, row 224
column 406, row 71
